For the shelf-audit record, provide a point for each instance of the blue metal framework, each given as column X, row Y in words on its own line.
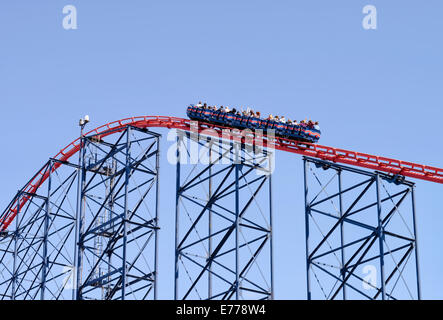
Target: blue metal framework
column 223, row 220
column 91, row 233
column 36, row 255
column 361, row 239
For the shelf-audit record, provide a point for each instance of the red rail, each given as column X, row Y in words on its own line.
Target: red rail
column 359, row 159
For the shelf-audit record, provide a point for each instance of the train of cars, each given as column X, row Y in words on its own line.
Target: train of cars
column 300, row 132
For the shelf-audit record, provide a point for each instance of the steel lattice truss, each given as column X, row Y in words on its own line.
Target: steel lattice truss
column 224, row 221
column 360, row 234
column 111, row 252
column 363, row 160
column 85, row 227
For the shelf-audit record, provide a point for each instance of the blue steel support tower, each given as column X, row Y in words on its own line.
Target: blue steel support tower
column 223, row 220
column 361, row 238
column 91, row 233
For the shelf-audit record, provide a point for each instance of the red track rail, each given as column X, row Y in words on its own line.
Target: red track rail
column 359, row 159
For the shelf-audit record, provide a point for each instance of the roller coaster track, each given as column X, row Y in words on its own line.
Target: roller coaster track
column 391, row 166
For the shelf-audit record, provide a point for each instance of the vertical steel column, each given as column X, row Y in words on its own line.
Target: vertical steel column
column 381, row 235
column 417, row 264
column 271, row 235
column 342, row 242
column 237, row 222
column 125, row 213
column 45, row 232
column 79, row 224
column 177, row 211
column 16, row 236
column 210, row 222
column 307, row 214
column 157, row 217
column 111, row 209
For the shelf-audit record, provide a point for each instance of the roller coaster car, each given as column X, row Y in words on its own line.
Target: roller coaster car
column 285, row 130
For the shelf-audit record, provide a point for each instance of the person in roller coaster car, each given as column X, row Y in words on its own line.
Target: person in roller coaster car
column 250, row 113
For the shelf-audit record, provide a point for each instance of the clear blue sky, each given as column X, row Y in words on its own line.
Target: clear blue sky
column 377, row 91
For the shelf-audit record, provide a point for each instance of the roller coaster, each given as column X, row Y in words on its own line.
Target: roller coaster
column 93, row 221
column 299, row 132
